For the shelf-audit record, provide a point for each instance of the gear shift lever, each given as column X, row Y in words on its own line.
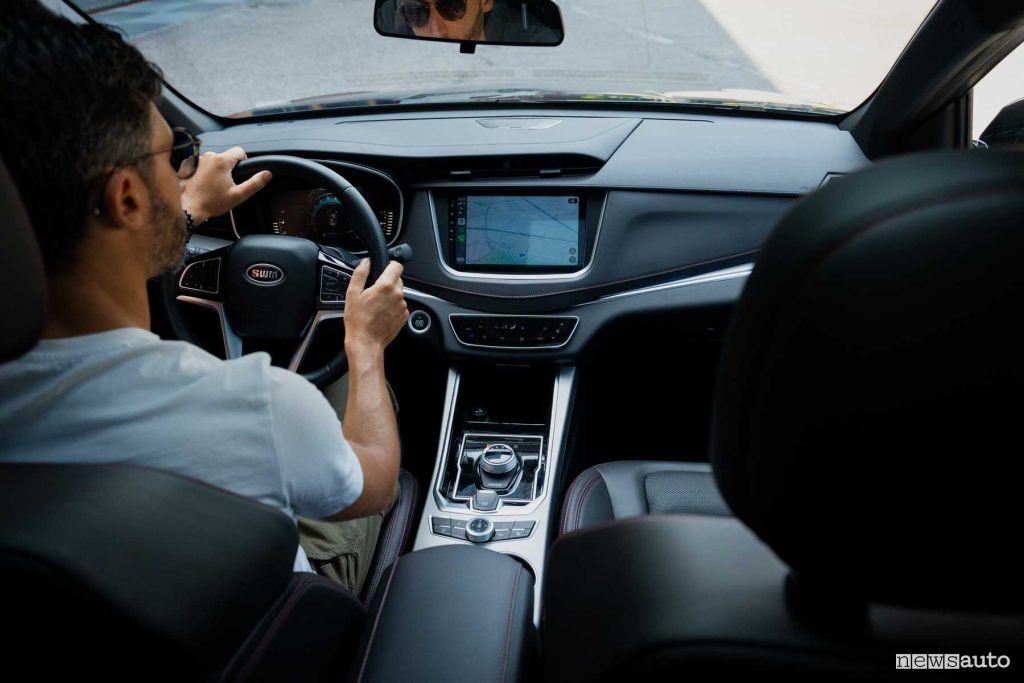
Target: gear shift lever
column 497, row 467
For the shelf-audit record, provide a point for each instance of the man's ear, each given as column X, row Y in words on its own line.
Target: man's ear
column 124, row 199
column 486, row 5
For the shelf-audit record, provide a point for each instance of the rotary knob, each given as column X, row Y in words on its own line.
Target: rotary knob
column 479, row 530
column 498, row 459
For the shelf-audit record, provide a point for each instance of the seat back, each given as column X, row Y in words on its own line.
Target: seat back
column 136, row 574
column 22, row 278
column 864, row 431
column 870, row 387
column 119, row 569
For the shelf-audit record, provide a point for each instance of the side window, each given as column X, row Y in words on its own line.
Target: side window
column 1001, row 86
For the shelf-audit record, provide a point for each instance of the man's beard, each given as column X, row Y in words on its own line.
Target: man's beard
column 170, row 235
column 478, row 26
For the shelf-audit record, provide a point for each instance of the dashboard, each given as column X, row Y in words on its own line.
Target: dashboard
column 532, row 230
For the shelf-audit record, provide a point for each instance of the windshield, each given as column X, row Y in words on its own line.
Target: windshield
column 246, row 57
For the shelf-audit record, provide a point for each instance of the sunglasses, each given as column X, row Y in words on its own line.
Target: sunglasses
column 417, row 12
column 184, row 157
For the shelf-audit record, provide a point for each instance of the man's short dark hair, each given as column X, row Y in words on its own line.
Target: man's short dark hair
column 76, row 104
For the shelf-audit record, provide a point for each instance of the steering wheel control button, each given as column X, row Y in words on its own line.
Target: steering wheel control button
column 201, row 276
column 480, row 530
column 513, row 332
column 485, row 501
column 418, row 322
column 333, row 285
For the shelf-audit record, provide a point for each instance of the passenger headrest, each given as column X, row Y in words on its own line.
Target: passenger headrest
column 868, row 407
column 22, row 279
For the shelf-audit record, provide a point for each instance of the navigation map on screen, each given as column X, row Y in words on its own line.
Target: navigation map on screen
column 496, row 230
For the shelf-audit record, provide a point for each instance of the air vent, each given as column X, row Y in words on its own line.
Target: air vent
column 534, row 166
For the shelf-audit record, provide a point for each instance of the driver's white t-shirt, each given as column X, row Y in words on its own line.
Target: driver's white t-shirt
column 126, row 396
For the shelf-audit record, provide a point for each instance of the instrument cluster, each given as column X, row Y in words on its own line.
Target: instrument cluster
column 288, row 206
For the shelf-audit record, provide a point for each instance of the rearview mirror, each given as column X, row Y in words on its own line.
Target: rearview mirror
column 471, row 22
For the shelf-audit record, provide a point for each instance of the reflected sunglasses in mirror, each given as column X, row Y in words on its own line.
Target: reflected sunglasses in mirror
column 417, row 12
column 185, row 153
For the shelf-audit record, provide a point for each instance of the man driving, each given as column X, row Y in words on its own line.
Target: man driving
column 94, row 163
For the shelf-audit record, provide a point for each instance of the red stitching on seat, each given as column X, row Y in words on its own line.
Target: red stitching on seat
column 376, row 621
column 567, row 504
column 578, row 507
column 413, row 495
column 381, row 567
column 508, row 625
column 259, row 651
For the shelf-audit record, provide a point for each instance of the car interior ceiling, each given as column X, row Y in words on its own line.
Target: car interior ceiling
column 748, row 430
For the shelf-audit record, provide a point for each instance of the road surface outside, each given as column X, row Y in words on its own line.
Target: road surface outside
column 233, row 55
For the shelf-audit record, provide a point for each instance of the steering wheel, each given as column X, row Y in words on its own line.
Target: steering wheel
column 275, row 287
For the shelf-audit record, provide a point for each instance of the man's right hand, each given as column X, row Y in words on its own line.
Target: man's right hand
column 374, row 316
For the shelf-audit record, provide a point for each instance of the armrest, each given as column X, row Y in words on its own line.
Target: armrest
column 453, row 613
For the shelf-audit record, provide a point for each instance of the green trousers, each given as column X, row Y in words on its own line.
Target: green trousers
column 342, row 551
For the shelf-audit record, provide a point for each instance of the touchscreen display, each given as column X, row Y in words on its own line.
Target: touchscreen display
column 517, row 231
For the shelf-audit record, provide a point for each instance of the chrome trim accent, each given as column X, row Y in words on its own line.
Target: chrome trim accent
column 545, row 277
column 234, row 228
column 324, row 257
column 515, row 503
column 266, row 266
column 413, row 330
column 300, row 353
column 232, row 342
column 320, row 293
column 547, row 347
column 196, row 263
column 733, row 273
column 401, row 198
column 417, row 294
column 483, row 536
column 506, row 462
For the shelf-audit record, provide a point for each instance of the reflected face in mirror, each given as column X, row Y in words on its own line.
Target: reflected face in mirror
column 451, row 19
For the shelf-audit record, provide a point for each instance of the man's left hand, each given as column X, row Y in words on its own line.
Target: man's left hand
column 212, row 191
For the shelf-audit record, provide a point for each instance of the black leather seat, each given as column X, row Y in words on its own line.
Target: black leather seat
column 618, row 490
column 140, row 574
column 863, row 434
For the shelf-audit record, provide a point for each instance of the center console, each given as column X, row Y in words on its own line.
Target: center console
column 499, row 461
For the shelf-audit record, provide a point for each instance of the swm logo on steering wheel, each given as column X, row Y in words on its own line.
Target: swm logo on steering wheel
column 264, row 274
